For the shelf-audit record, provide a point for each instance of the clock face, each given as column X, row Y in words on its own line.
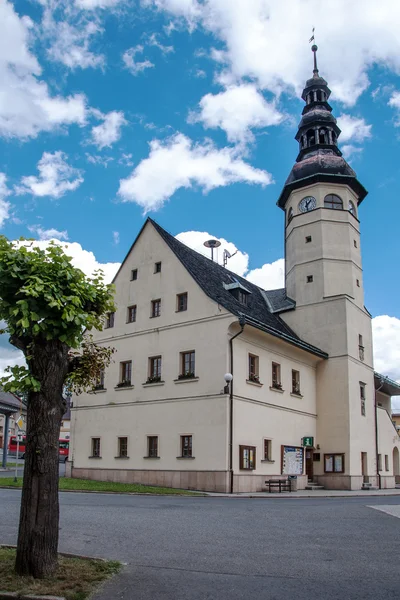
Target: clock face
column 307, row 203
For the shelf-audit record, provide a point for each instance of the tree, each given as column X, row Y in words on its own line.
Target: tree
column 49, row 307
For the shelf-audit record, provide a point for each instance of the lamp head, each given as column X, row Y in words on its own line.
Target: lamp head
column 228, row 377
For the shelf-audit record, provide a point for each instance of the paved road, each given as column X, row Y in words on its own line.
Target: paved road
column 21, row 469
column 231, row 549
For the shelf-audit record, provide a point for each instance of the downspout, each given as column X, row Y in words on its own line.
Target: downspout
column 242, row 324
column 376, row 433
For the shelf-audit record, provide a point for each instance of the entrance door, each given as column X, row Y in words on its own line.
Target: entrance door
column 309, row 463
column 364, row 466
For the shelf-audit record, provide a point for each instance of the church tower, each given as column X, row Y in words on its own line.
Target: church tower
column 323, row 273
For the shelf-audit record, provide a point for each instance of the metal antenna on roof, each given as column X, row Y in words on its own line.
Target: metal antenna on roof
column 212, row 244
column 227, row 255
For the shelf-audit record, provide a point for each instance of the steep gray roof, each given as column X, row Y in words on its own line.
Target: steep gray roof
column 9, row 403
column 263, row 306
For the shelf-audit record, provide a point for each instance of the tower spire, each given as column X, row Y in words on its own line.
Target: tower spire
column 314, row 49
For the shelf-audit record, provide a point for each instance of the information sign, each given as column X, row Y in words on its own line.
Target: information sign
column 308, row 442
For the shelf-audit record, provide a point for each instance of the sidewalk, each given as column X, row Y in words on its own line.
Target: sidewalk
column 312, row 494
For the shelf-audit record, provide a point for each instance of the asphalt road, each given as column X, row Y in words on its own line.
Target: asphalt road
column 231, row 549
column 20, row 469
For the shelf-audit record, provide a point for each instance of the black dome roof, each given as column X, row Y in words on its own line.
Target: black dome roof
column 321, row 162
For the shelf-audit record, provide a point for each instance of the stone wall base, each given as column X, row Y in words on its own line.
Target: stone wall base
column 353, row 482
column 256, row 483
column 207, row 481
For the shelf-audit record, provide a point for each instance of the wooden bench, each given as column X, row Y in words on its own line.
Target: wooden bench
column 281, row 485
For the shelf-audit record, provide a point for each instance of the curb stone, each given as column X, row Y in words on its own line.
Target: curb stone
column 18, row 596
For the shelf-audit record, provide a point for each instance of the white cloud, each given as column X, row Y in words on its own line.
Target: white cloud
column 135, row 67
column 108, row 132
column 349, row 150
column 70, row 44
column 48, row 234
column 126, row 160
column 153, row 41
column 178, row 162
column 26, row 104
column 354, row 129
column 116, row 238
column 56, row 177
column 236, row 110
column 394, row 102
column 4, row 204
column 265, row 40
column 386, row 335
column 95, row 159
column 9, row 356
column 270, row 276
column 93, row 4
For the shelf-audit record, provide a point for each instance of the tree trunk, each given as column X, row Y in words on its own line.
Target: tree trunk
column 39, row 516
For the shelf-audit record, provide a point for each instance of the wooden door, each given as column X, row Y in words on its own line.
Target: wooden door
column 309, row 463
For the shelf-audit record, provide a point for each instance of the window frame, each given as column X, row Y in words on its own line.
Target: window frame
column 335, row 202
column 181, row 307
column 267, row 449
column 253, row 374
column 155, row 312
column 310, row 279
column 186, row 451
column 352, row 208
column 290, row 215
column 110, row 320
column 191, row 372
column 133, row 307
column 95, row 452
column 124, row 366
column 308, row 239
column 296, row 382
column 276, row 381
column 333, row 455
column 387, row 462
column 363, row 398
column 122, row 453
column 134, row 274
column 248, row 463
column 157, row 267
column 154, row 368
column 99, row 385
column 152, row 452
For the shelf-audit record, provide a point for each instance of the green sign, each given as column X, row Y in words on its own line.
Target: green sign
column 308, row 442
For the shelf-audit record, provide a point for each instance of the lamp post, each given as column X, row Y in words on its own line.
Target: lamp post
column 228, row 380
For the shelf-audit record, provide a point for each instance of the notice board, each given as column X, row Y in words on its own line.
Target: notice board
column 292, row 460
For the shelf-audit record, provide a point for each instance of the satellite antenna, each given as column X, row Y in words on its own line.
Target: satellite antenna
column 227, row 255
column 212, row 244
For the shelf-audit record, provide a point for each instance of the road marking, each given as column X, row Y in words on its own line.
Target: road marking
column 389, row 509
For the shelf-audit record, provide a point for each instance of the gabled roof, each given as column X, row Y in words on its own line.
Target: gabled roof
column 263, row 306
column 9, row 403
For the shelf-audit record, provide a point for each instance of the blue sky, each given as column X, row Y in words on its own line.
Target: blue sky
column 186, row 110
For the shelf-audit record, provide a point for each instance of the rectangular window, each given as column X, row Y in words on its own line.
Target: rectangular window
column 181, row 302
column 95, row 447
column 133, row 274
column 186, row 445
column 276, row 376
column 267, row 449
column 380, row 462
column 296, row 382
column 131, row 314
column 310, row 278
column 247, row 458
column 334, row 463
column 358, row 282
column 125, row 373
column 242, row 297
column 253, row 368
column 99, row 385
column 187, row 365
column 360, row 347
column 355, row 243
column 386, row 462
column 308, row 239
column 152, row 446
column 156, row 308
column 154, row 369
column 157, row 267
column 362, row 398
column 110, row 320
column 123, row 447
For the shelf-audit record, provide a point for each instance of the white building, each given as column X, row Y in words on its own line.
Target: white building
column 304, row 399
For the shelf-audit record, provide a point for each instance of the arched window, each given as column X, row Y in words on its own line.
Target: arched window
column 310, row 137
column 290, row 215
column 352, row 208
column 333, row 201
column 334, row 137
column 319, row 95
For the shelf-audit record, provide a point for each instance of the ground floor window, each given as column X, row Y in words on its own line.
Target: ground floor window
column 247, row 457
column 95, row 447
column 334, row 463
column 386, row 462
column 186, row 445
column 267, row 449
column 123, row 447
column 152, row 446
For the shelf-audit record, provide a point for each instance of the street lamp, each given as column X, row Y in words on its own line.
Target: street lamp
column 228, row 380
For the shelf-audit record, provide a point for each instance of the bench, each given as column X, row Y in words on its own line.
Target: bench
column 281, row 485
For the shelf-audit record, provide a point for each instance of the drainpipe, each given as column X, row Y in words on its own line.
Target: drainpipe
column 376, row 433
column 242, row 322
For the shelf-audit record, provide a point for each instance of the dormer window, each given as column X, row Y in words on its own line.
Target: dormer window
column 242, row 297
column 239, row 292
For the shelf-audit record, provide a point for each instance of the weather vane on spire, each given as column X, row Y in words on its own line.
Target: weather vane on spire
column 314, row 49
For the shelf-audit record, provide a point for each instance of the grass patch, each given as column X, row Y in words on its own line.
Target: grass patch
column 74, row 579
column 88, row 485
